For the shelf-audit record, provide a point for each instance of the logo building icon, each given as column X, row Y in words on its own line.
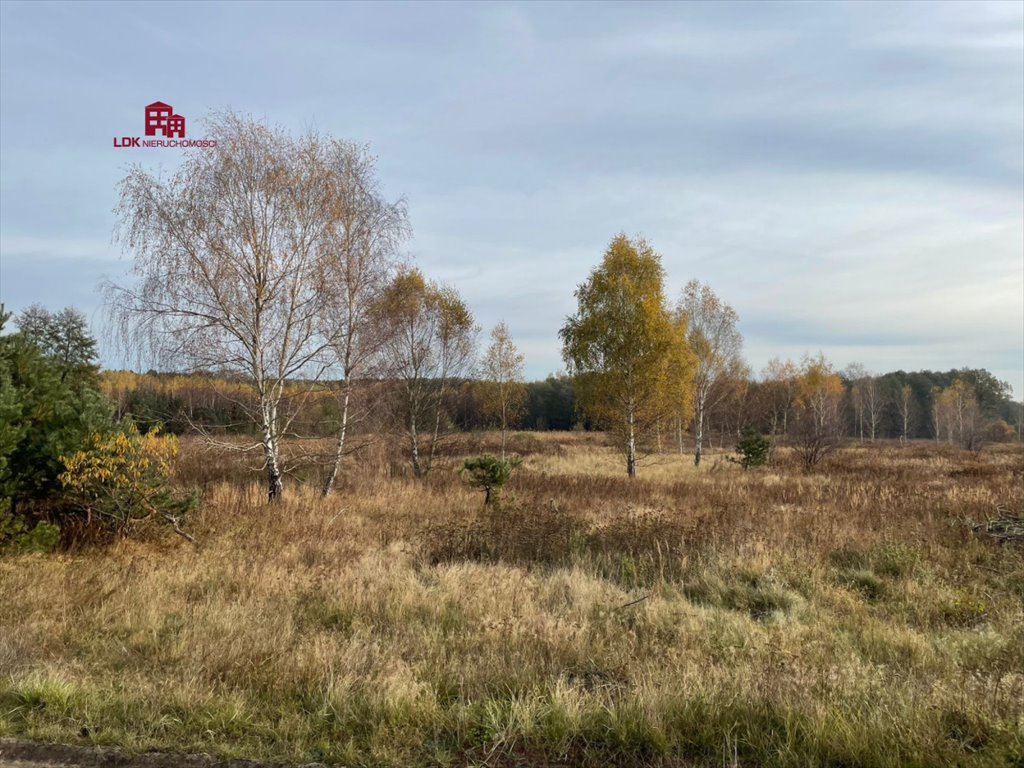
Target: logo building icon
column 160, row 118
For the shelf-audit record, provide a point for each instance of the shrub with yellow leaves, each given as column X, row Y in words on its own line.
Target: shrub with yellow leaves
column 123, row 478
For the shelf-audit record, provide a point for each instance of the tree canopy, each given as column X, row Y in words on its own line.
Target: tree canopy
column 628, row 353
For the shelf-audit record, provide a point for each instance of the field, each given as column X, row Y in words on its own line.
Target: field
column 713, row 617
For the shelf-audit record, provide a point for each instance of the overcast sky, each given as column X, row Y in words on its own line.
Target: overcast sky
column 850, row 177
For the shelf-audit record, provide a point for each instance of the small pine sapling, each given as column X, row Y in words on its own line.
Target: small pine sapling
column 754, row 450
column 490, row 473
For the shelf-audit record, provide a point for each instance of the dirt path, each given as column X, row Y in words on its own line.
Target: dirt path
column 26, row 754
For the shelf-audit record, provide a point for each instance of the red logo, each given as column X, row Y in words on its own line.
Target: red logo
column 161, row 121
column 160, row 118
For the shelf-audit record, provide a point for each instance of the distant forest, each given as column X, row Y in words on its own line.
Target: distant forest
column 178, row 401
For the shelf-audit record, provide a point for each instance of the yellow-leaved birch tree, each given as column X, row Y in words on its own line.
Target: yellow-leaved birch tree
column 626, row 350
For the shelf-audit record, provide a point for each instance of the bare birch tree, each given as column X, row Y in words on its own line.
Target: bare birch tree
column 718, row 346
column 228, row 258
column 873, row 402
column 730, row 413
column 855, row 374
column 780, row 379
column 364, row 240
column 905, row 404
column 503, row 387
column 866, row 399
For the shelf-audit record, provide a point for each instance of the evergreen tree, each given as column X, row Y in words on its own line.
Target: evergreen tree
column 46, row 410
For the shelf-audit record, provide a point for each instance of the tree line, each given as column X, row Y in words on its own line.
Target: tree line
column 177, row 401
column 906, row 405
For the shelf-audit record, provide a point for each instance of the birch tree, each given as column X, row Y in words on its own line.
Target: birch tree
column 904, row 405
column 818, row 410
column 730, row 413
column 717, row 345
column 504, row 393
column 957, row 413
column 855, row 373
column 629, row 356
column 780, row 379
column 228, row 256
column 866, row 399
column 873, row 403
column 430, row 340
column 363, row 241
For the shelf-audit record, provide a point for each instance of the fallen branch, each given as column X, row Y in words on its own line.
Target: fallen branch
column 177, row 529
column 633, row 602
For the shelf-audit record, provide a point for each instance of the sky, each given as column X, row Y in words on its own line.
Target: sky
column 848, row 176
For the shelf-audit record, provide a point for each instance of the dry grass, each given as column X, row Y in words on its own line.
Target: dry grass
column 715, row 617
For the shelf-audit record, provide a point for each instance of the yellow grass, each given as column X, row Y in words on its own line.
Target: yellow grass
column 691, row 617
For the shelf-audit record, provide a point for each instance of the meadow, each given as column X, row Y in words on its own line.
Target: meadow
column 851, row 616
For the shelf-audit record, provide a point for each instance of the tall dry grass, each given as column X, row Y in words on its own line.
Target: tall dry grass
column 712, row 617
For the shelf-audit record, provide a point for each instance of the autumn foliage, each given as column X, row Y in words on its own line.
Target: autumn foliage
column 632, row 363
column 819, row 410
column 122, row 479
